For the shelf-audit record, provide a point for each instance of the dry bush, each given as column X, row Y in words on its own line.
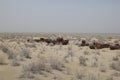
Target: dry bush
column 19, row 54
column 11, row 52
column 22, row 51
column 82, row 61
column 79, row 74
column 4, row 48
column 110, row 78
column 96, row 52
column 95, row 58
column 41, row 64
column 95, row 62
column 92, row 76
column 15, row 52
column 27, row 72
column 102, row 68
column 116, row 58
column 86, row 52
column 3, row 58
column 58, row 77
column 15, row 62
column 25, row 52
column 115, row 65
column 116, row 74
column 83, row 75
column 35, row 67
column 92, row 61
column 70, row 51
column 56, row 63
column 30, row 45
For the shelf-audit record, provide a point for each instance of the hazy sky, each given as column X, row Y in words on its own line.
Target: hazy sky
column 102, row 16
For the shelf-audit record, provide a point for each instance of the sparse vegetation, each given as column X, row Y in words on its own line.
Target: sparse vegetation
column 3, row 58
column 42, row 61
column 26, row 53
column 115, row 65
column 56, row 63
column 86, row 52
column 88, row 76
column 116, row 58
column 41, row 65
column 103, row 69
column 82, row 61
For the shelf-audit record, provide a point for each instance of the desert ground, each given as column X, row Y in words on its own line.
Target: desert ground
column 21, row 59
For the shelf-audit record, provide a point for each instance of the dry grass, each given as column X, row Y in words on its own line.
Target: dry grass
column 3, row 58
column 115, row 65
column 39, row 61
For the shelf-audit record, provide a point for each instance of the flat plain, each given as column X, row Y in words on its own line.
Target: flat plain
column 23, row 57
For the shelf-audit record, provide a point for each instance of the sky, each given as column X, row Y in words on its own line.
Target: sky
column 75, row 16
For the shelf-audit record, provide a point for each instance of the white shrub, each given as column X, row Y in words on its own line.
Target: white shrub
column 56, row 63
column 82, row 61
column 115, row 65
column 3, row 58
column 37, row 66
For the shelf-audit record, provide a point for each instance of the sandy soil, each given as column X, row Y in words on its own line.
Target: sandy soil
column 22, row 60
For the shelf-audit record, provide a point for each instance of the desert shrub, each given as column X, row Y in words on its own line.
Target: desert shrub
column 102, row 69
column 56, row 63
column 8, row 50
column 92, row 76
column 15, row 62
column 82, row 75
column 118, row 54
column 70, row 51
column 95, row 58
column 41, row 65
column 11, row 53
column 25, row 52
column 116, row 58
column 4, row 49
column 69, row 47
column 116, row 74
column 13, row 50
column 3, row 58
column 16, row 54
column 27, row 75
column 96, row 52
column 115, row 65
column 82, row 61
column 30, row 45
column 37, row 66
column 79, row 74
column 86, row 52
column 95, row 64
column 110, row 78
column 58, row 77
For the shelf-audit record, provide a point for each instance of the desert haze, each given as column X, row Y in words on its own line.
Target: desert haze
column 44, row 56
